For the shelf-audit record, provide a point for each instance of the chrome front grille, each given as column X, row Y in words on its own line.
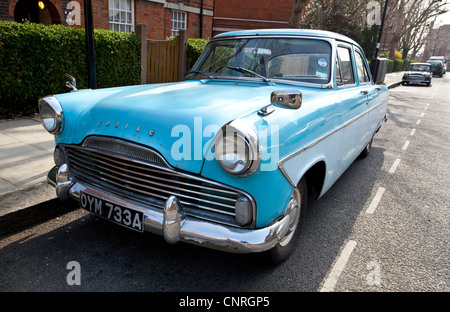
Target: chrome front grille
column 152, row 184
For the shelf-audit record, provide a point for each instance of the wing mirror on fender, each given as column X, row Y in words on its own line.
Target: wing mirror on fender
column 71, row 83
column 285, row 98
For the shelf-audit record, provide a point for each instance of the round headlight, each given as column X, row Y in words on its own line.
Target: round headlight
column 236, row 149
column 51, row 114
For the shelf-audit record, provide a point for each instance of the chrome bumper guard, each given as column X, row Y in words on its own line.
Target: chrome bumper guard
column 174, row 225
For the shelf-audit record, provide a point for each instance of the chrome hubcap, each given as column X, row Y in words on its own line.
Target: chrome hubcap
column 293, row 210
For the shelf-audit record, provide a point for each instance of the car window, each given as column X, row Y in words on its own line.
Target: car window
column 297, row 59
column 418, row 68
column 435, row 63
column 344, row 68
column 363, row 74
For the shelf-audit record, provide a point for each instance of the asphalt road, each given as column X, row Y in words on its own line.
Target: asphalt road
column 384, row 226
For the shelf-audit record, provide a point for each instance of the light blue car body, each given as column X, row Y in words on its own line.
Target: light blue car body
column 330, row 129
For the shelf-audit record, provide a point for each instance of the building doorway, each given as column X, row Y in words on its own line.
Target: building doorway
column 36, row 11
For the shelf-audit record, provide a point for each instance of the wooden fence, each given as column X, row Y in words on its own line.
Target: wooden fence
column 162, row 61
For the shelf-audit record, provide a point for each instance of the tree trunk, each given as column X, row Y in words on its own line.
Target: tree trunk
column 297, row 13
column 394, row 43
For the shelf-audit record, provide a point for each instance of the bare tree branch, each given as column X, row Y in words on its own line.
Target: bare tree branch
column 298, row 13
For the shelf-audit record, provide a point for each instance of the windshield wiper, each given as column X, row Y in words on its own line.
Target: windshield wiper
column 245, row 70
column 201, row 73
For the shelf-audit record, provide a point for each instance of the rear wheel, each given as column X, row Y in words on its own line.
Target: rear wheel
column 296, row 210
column 365, row 152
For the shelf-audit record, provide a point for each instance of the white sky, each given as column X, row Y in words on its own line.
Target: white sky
column 443, row 19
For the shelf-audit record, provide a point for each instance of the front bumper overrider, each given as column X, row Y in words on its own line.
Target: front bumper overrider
column 173, row 224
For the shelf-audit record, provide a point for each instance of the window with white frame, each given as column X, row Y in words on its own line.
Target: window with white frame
column 121, row 15
column 178, row 22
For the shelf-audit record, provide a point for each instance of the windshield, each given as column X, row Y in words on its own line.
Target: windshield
column 425, row 68
column 297, row 59
column 435, row 63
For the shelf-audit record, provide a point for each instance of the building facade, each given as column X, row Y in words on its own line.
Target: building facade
column 438, row 43
column 230, row 15
column 163, row 18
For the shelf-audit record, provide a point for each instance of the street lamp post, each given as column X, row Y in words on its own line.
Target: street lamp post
column 89, row 27
column 381, row 28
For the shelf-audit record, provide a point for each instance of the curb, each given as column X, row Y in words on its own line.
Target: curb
column 391, row 86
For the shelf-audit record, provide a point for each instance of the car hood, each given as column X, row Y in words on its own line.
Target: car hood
column 179, row 120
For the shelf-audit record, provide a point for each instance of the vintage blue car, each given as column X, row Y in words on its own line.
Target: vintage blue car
column 227, row 158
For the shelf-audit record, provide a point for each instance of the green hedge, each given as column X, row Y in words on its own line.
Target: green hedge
column 194, row 49
column 34, row 59
column 398, row 65
column 390, row 67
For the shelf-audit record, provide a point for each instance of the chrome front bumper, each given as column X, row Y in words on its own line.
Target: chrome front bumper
column 174, row 225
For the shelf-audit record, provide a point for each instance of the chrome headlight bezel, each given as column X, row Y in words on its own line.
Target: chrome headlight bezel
column 51, row 114
column 245, row 151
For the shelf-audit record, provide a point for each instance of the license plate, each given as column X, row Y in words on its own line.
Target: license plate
column 433, row 68
column 126, row 217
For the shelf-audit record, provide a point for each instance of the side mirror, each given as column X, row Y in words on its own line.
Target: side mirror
column 287, row 98
column 71, row 83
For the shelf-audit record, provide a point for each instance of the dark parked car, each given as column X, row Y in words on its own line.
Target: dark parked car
column 437, row 67
column 439, row 58
column 418, row 73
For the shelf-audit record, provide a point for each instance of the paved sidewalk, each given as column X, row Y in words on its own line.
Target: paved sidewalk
column 393, row 80
column 26, row 156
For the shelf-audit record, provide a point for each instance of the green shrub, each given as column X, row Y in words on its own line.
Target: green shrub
column 390, row 66
column 194, row 49
column 34, row 59
column 398, row 65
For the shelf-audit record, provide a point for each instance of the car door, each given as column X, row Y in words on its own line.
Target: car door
column 372, row 93
column 374, row 100
column 354, row 102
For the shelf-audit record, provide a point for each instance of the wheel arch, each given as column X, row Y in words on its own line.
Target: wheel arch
column 315, row 178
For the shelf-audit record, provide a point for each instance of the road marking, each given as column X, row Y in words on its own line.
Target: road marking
column 405, row 146
column 418, row 122
column 412, row 132
column 423, row 114
column 376, row 200
column 394, row 165
column 338, row 267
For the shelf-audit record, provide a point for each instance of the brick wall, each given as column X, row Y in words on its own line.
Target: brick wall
column 154, row 14
column 238, row 14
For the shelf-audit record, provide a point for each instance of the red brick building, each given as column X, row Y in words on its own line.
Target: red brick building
column 162, row 17
column 232, row 15
column 201, row 18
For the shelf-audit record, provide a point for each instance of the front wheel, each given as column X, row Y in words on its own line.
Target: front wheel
column 296, row 210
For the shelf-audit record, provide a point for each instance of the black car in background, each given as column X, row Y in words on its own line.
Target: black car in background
column 439, row 58
column 418, row 73
column 437, row 67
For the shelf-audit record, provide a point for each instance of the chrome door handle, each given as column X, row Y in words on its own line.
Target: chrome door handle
column 365, row 92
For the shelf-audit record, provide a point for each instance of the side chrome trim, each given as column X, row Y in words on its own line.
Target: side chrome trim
column 286, row 158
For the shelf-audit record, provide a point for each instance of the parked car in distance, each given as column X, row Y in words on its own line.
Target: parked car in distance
column 440, row 58
column 418, row 73
column 437, row 67
column 228, row 158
